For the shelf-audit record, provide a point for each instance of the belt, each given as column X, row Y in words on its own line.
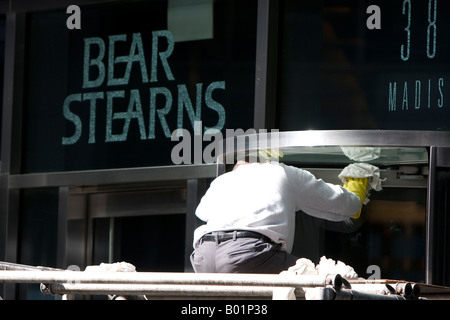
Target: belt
column 225, row 236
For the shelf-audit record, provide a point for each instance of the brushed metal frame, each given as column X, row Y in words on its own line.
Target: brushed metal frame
column 366, row 138
column 111, row 176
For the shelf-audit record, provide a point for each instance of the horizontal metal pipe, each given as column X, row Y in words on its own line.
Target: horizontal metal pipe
column 329, row 293
column 160, row 290
column 373, row 288
column 416, row 290
column 357, row 295
column 23, row 267
column 260, row 280
column 406, row 289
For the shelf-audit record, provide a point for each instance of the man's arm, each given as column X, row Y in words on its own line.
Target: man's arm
column 320, row 199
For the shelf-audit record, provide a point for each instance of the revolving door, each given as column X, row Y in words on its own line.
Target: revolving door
column 404, row 233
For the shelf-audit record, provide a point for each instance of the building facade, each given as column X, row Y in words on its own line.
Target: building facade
column 98, row 98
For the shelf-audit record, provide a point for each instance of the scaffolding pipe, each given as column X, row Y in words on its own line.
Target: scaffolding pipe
column 22, row 267
column 373, row 288
column 406, row 289
column 160, row 290
column 329, row 293
column 257, row 280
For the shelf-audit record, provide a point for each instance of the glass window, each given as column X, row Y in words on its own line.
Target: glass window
column 2, row 62
column 441, row 224
column 335, row 72
column 153, row 243
column 110, row 95
column 37, row 234
column 392, row 238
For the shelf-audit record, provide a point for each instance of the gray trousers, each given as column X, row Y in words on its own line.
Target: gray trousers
column 241, row 255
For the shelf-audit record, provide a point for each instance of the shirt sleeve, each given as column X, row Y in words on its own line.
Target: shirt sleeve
column 321, row 199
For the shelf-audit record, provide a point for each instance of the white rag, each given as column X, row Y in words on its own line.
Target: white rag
column 112, row 267
column 326, row 266
column 363, row 170
column 305, row 266
column 116, row 267
column 362, row 153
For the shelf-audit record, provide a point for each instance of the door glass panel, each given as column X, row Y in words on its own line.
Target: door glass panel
column 389, row 241
column 151, row 243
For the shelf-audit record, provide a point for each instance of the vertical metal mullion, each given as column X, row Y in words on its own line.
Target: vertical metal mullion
column 444, row 237
column 8, row 92
column 13, row 93
column 430, row 221
column 196, row 188
column 191, row 197
column 111, row 235
column 9, row 199
column 61, row 250
column 265, row 66
column 89, row 236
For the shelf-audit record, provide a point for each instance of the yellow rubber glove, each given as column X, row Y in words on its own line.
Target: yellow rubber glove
column 272, row 153
column 359, row 187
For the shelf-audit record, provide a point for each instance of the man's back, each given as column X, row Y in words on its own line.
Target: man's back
column 264, row 198
column 255, row 197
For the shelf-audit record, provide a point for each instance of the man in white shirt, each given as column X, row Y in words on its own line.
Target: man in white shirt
column 250, row 216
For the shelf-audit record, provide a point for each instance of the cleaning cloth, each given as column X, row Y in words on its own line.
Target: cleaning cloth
column 305, row 266
column 116, row 267
column 361, row 153
column 325, row 266
column 112, row 267
column 363, row 170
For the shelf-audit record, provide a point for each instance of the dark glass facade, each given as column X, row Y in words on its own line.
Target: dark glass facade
column 335, row 72
column 118, row 88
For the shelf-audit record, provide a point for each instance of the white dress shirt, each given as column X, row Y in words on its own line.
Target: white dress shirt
column 264, row 198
